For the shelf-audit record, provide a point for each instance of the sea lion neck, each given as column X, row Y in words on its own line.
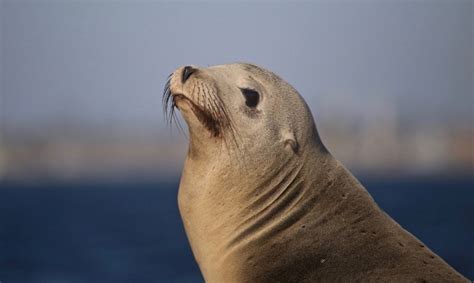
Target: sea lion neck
column 235, row 213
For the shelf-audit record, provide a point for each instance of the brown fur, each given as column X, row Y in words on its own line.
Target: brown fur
column 266, row 202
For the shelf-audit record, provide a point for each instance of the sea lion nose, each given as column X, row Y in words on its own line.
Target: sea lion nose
column 187, row 72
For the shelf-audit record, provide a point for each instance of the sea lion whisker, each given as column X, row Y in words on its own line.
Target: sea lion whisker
column 166, row 95
column 176, row 121
column 231, row 130
column 217, row 113
column 227, row 119
column 169, row 106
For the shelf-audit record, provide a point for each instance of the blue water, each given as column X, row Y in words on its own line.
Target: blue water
column 132, row 232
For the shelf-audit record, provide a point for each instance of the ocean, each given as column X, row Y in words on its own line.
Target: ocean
column 131, row 231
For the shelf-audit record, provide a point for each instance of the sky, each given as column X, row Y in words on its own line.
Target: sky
column 102, row 65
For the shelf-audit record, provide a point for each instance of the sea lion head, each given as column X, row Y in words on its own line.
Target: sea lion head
column 241, row 107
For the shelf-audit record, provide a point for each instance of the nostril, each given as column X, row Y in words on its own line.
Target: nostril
column 187, row 72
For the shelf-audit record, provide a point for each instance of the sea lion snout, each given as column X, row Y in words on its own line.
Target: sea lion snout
column 194, row 92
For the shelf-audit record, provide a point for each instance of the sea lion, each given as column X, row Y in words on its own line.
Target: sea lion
column 262, row 199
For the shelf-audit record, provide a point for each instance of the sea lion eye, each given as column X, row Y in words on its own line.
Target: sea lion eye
column 251, row 97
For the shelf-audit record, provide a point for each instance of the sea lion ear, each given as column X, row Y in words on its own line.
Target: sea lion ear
column 289, row 140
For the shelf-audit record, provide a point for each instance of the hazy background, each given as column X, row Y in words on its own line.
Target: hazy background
column 390, row 84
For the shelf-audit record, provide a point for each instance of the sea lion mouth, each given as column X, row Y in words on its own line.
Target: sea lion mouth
column 206, row 118
column 210, row 118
